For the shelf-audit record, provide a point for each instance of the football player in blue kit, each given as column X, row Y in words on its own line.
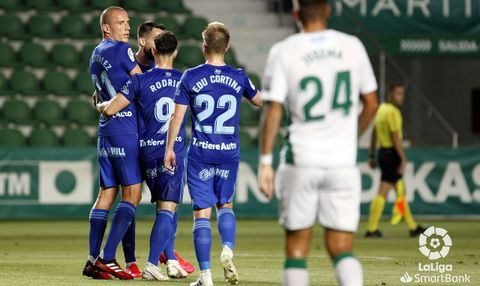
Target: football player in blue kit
column 213, row 91
column 153, row 93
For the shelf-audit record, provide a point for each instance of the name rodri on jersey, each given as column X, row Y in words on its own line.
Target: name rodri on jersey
column 153, row 93
column 110, row 67
column 214, row 94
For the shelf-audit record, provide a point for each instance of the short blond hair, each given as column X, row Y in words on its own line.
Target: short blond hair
column 216, row 37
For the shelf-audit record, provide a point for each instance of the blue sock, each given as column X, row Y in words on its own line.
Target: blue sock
column 227, row 227
column 202, row 240
column 121, row 221
column 128, row 243
column 98, row 223
column 169, row 249
column 161, row 233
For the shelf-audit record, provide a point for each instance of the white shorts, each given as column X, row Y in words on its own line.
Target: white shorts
column 330, row 195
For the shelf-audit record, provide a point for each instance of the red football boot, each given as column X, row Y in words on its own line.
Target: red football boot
column 112, row 268
column 133, row 270
column 187, row 266
column 91, row 271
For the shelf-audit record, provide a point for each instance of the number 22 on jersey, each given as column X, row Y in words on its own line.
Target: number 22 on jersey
column 339, row 102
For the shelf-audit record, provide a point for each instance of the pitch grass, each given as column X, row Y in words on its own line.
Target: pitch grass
column 54, row 252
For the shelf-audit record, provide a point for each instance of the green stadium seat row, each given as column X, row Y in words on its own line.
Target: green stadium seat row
column 172, row 6
column 54, row 82
column 48, row 112
column 46, row 138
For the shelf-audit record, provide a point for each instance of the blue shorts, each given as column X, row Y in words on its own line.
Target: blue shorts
column 164, row 185
column 211, row 184
column 118, row 157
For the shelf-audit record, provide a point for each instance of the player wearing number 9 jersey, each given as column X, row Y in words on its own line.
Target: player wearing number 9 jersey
column 213, row 91
column 319, row 75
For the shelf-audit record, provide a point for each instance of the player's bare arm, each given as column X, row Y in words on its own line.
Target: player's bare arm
column 373, row 147
column 370, row 106
column 173, row 128
column 398, row 144
column 135, row 70
column 113, row 106
column 270, row 124
column 257, row 99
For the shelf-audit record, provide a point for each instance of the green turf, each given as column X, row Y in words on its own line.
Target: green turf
column 54, row 252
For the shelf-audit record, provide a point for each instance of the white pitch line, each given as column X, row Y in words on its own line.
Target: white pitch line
column 246, row 254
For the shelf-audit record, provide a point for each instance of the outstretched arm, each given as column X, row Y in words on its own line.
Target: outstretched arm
column 113, row 106
column 257, row 99
column 173, row 129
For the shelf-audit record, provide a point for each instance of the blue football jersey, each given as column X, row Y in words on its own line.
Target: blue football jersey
column 153, row 92
column 146, row 68
column 214, row 94
column 110, row 65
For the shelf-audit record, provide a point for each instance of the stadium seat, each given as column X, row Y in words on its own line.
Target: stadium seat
column 172, row 6
column 34, row 55
column 76, row 138
column 171, row 23
column 81, row 112
column 12, row 5
column 75, row 5
column 138, row 5
column 102, row 4
column 43, row 5
column 65, row 55
column 11, row 138
column 248, row 115
column 83, row 83
column 43, row 138
column 86, row 54
column 25, row 83
column 190, row 56
column 42, row 26
column 73, row 26
column 230, row 58
column 194, row 26
column 57, row 83
column 48, row 112
column 245, row 140
column 255, row 80
column 4, row 89
column 8, row 57
column 135, row 21
column 16, row 111
column 12, row 28
column 94, row 27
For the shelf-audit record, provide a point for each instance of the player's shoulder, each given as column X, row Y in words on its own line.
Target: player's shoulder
column 194, row 71
column 348, row 39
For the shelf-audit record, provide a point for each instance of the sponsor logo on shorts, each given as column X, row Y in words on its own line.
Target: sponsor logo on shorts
column 111, row 152
column 151, row 173
column 209, row 173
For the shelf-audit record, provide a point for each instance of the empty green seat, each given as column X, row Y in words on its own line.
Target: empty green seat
column 81, row 112
column 65, row 55
column 42, row 26
column 86, row 54
column 74, row 26
column 194, row 26
column 43, row 138
column 25, row 83
column 94, row 27
column 58, row 83
column 255, row 79
column 74, row 5
column 103, row 4
column 245, row 140
column 48, row 112
column 34, row 55
column 8, row 57
column 230, row 58
column 249, row 116
column 83, row 83
column 190, row 56
column 76, row 138
column 135, row 21
column 12, row 28
column 172, row 6
column 42, row 5
column 4, row 88
column 171, row 23
column 12, row 5
column 138, row 5
column 11, row 138
column 16, row 111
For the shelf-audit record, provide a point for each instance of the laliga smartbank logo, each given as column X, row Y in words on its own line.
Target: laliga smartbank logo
column 435, row 243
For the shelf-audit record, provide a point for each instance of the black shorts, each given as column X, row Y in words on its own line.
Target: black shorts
column 389, row 162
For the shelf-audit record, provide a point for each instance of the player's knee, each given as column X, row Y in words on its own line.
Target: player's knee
column 132, row 194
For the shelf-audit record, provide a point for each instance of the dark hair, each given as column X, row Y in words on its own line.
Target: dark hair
column 309, row 9
column 166, row 43
column 393, row 86
column 216, row 37
column 147, row 27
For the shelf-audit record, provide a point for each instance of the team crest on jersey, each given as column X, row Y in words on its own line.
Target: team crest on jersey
column 130, row 55
column 217, row 71
column 168, row 74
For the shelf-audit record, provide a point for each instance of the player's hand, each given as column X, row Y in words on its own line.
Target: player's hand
column 266, row 180
column 372, row 162
column 170, row 160
column 401, row 168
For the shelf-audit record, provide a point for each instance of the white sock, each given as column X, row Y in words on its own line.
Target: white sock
column 91, row 259
column 227, row 251
column 295, row 277
column 349, row 271
column 205, row 275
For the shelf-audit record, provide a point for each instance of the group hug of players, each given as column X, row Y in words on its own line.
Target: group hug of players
column 141, row 137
